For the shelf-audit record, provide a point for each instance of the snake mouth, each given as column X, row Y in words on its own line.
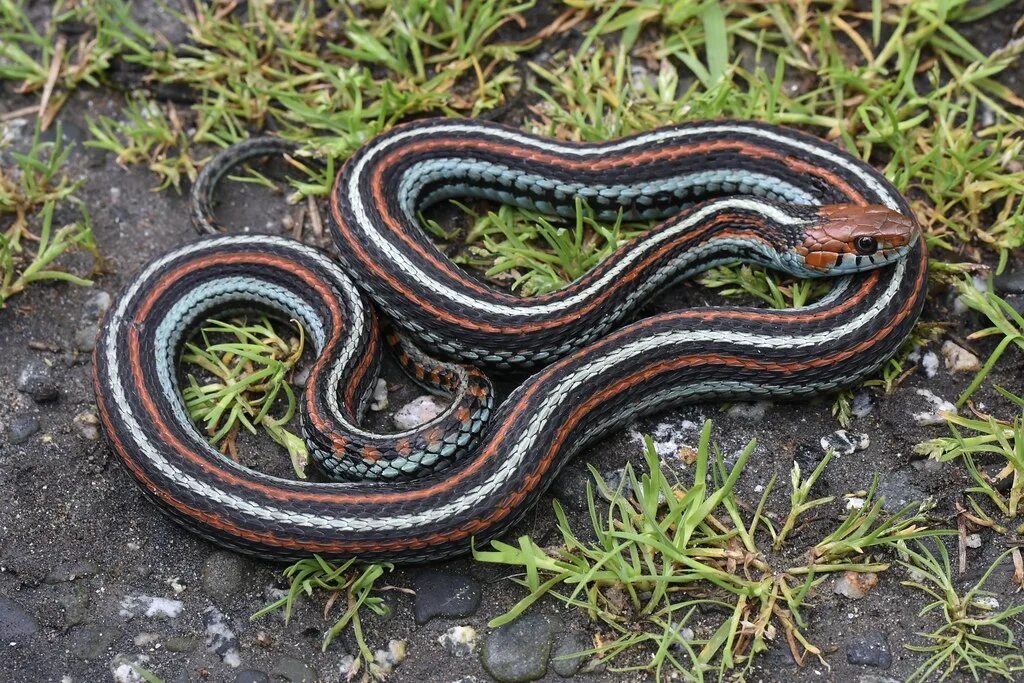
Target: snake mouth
column 849, row 238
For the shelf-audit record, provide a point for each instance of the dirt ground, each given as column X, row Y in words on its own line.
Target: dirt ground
column 79, row 543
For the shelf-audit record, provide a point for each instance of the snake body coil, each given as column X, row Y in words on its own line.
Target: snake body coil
column 765, row 194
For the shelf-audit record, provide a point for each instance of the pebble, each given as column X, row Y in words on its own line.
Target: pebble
column 88, row 425
column 934, row 407
column 988, row 603
column 749, row 411
column 91, row 641
column 37, row 381
column 21, row 429
column 973, row 541
column 250, row 676
column 518, row 651
column 380, row 396
column 869, row 649
column 855, row 585
column 418, row 411
column 225, row 574
column 458, row 641
column 220, row 639
column 1010, row 282
column 180, row 644
column 96, row 305
column 863, row 404
column 294, row 670
column 562, row 660
column 71, row 571
column 150, row 606
column 959, row 359
column 843, row 442
column 385, row 661
column 16, row 624
column 445, row 594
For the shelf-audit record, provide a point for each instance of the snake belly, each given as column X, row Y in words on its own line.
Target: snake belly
column 590, row 375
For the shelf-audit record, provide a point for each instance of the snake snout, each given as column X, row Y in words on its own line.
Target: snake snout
column 852, row 238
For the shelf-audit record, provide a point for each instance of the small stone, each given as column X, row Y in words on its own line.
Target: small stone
column 250, row 676
column 935, row 406
column 458, row 641
column 565, row 660
column 225, row 574
column 749, row 411
column 91, row 641
column 446, row 594
column 97, row 305
column 380, row 396
column 88, row 425
column 21, row 429
column 1010, row 282
column 973, row 541
column 418, row 411
column 220, row 639
column 71, row 571
column 150, row 606
column 180, row 644
column 85, row 336
column 869, row 649
column 385, row 661
column 854, row 503
column 293, row 670
column 959, row 359
column 37, row 381
column 855, row 585
column 16, row 624
column 988, row 603
column 518, row 652
column 843, row 442
column 863, row 404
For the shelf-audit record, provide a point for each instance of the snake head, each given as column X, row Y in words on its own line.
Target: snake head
column 848, row 238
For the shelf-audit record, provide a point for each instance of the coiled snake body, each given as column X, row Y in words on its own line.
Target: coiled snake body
column 764, row 194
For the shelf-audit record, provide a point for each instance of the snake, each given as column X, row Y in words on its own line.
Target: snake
column 585, row 358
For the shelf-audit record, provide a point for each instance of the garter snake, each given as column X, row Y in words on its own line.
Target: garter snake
column 729, row 191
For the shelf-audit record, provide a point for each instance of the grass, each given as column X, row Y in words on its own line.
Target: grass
column 976, row 635
column 665, row 553
column 31, row 247
column 352, row 583
column 247, row 366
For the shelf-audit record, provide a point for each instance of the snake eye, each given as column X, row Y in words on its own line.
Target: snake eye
column 865, row 244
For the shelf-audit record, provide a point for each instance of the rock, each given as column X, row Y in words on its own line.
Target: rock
column 973, row 541
column 250, row 676
column 446, row 594
column 1010, row 282
column 380, row 396
column 959, row 359
column 88, row 425
column 863, row 404
column 71, row 571
column 180, row 644
column 293, row 670
column 418, row 411
column 220, row 639
column 934, row 407
column 565, row 660
column 21, row 428
column 855, row 585
column 753, row 412
column 85, row 336
column 37, row 381
column 96, row 305
column 987, row 603
column 869, row 649
column 458, row 641
column 518, row 651
column 385, row 661
column 91, row 641
column 16, row 624
column 150, row 606
column 843, row 442
column 225, row 574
